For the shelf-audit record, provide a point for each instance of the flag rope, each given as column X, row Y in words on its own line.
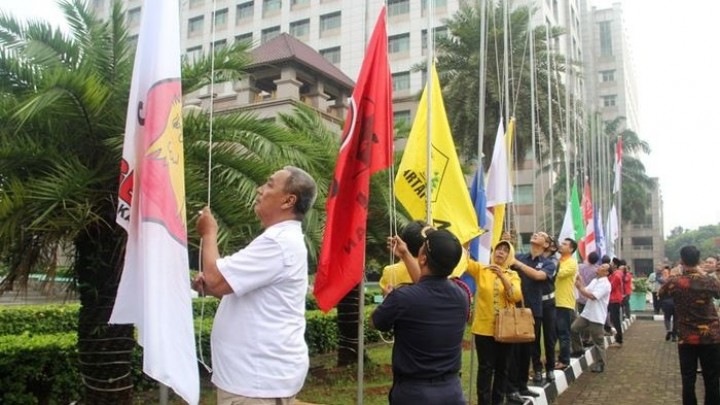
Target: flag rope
column 203, row 298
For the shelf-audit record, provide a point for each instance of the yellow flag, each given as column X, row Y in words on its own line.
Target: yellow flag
column 452, row 208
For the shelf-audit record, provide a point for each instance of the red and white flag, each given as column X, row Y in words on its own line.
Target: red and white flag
column 154, row 291
column 367, row 147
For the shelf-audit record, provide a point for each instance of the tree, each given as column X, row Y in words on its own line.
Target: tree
column 458, row 64
column 706, row 238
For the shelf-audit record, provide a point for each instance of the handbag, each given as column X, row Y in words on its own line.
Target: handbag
column 514, row 325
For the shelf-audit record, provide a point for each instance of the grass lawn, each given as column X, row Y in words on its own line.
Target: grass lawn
column 330, row 385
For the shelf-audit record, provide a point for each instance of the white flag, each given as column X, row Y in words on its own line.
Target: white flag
column 498, row 191
column 568, row 228
column 612, row 231
column 154, row 291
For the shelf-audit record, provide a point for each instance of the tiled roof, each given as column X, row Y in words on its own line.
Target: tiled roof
column 285, row 47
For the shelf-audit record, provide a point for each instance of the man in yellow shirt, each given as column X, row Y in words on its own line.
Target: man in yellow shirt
column 565, row 299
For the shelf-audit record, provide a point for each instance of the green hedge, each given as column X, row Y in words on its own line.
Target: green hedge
column 39, row 369
column 38, row 350
column 38, row 319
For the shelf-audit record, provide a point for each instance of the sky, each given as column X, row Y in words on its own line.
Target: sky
column 678, row 82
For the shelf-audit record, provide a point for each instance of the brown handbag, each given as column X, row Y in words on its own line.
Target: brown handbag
column 515, row 325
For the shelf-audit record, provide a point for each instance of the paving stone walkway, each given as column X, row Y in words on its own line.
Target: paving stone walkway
column 645, row 371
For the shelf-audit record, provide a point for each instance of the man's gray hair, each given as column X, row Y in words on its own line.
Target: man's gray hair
column 303, row 186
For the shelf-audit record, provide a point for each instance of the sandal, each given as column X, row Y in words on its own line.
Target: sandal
column 560, row 366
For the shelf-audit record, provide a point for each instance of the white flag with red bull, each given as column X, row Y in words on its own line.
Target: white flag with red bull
column 154, row 291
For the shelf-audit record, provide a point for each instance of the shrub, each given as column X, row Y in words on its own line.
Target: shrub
column 640, row 284
column 39, row 369
column 39, row 319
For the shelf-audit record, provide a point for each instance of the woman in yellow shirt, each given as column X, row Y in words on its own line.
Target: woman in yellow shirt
column 497, row 287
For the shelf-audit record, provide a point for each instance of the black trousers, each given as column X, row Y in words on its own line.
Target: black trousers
column 549, row 337
column 493, row 358
column 444, row 391
column 709, row 357
column 616, row 320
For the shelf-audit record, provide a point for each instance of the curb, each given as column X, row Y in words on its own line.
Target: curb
column 548, row 392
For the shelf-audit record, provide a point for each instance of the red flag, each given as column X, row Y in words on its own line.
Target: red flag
column 154, row 291
column 587, row 244
column 367, row 147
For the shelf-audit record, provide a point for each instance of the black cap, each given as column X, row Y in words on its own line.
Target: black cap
column 444, row 250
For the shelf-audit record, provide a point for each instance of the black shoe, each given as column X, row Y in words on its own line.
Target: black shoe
column 668, row 336
column 674, row 338
column 576, row 354
column 537, row 377
column 528, row 393
column 599, row 368
column 550, row 376
column 514, row 398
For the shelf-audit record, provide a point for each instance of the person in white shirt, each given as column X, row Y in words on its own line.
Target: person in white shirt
column 259, row 354
column 592, row 318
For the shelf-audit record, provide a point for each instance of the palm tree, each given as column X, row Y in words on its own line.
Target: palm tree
column 458, row 64
column 63, row 100
column 636, row 184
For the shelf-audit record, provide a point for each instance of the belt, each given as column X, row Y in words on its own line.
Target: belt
column 548, row 296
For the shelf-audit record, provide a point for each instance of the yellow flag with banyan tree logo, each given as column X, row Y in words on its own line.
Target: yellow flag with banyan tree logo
column 451, row 207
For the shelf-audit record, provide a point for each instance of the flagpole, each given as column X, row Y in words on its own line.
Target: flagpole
column 361, row 289
column 428, row 75
column 531, row 39
column 568, row 87
column 481, row 138
column 619, row 208
column 550, row 129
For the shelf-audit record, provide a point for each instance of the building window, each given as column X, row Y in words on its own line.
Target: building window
column 607, row 76
column 244, row 11
column 399, row 43
column 220, row 19
column 331, row 54
column 194, row 53
column 195, row 25
column 329, row 23
column 269, row 33
column 299, row 3
column 605, row 38
column 436, row 4
column 439, row 32
column 196, row 3
column 271, row 7
column 643, row 267
column 398, row 7
column 401, row 81
column 401, row 116
column 609, row 101
column 523, row 194
column 219, row 44
column 247, row 37
column 133, row 17
column 132, row 41
column 300, row 28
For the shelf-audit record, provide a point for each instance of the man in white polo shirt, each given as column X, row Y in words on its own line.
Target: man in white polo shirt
column 259, row 354
column 592, row 318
